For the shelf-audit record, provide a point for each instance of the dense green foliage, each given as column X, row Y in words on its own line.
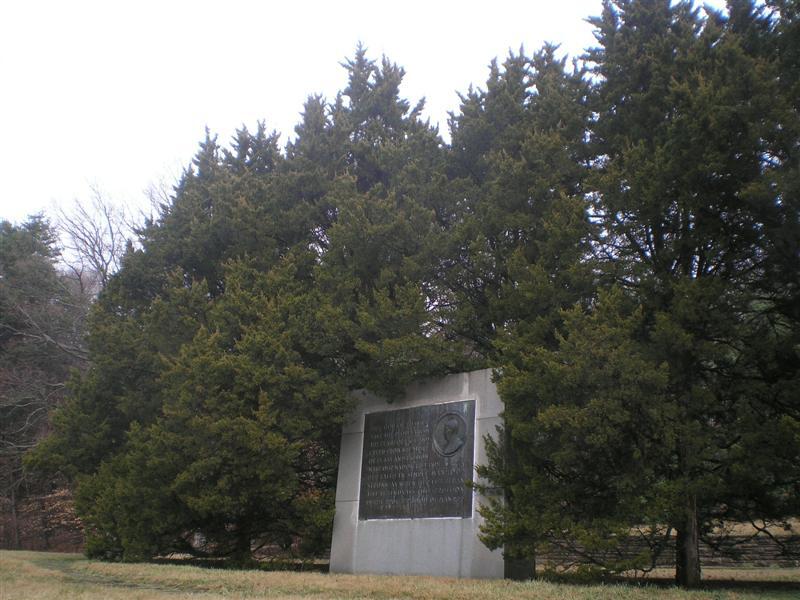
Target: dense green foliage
column 617, row 236
column 225, row 348
column 672, row 404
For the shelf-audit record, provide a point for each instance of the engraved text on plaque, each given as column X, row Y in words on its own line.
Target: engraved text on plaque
column 416, row 462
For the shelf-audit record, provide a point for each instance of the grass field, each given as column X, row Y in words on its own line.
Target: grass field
column 45, row 576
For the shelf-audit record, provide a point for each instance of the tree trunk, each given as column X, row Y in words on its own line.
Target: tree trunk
column 687, row 547
column 44, row 522
column 243, row 553
column 14, row 518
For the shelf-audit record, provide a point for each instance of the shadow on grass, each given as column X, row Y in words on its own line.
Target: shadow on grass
column 281, row 564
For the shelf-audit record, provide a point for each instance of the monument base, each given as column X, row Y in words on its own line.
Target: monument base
column 442, row 545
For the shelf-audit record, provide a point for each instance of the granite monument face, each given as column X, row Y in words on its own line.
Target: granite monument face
column 403, row 500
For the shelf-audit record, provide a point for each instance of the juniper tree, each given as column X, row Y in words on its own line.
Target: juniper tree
column 224, row 348
column 666, row 405
column 517, row 162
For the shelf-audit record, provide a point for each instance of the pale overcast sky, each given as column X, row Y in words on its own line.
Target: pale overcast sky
column 117, row 94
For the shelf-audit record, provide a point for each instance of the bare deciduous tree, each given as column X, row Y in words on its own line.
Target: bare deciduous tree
column 42, row 315
column 94, row 235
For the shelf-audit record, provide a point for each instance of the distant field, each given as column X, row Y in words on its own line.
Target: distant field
column 43, row 576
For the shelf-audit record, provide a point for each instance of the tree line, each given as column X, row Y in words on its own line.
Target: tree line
column 618, row 236
column 50, row 272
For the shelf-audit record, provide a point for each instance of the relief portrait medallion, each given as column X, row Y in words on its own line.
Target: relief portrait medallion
column 449, row 434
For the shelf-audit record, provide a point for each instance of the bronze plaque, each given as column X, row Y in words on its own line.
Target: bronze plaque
column 416, row 462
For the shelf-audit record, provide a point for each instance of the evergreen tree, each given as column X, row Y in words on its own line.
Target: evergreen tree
column 243, row 450
column 380, row 264
column 225, row 348
column 153, row 309
column 666, row 407
column 517, row 162
column 369, row 254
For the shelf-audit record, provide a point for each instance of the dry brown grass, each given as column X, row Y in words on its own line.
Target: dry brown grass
column 41, row 576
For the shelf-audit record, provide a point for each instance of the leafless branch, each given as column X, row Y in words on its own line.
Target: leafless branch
column 94, row 234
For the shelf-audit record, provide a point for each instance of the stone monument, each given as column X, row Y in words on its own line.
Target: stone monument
column 402, row 503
